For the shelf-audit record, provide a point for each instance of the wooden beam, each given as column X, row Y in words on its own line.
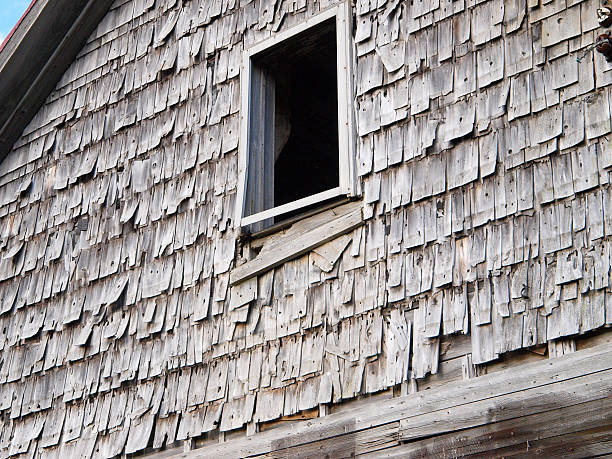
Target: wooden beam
column 301, row 226
column 350, row 445
column 379, row 413
column 560, row 429
column 284, row 224
column 509, row 406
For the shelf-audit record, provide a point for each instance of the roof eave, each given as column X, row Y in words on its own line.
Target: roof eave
column 36, row 55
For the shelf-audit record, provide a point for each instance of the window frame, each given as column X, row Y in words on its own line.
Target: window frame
column 346, row 116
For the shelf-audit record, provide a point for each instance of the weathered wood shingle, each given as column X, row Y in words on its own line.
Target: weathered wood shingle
column 483, row 157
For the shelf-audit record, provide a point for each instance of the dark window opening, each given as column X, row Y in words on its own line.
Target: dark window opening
column 293, row 132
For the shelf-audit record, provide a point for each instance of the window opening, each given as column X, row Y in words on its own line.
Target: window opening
column 298, row 125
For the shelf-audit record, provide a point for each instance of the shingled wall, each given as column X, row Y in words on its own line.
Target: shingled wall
column 483, row 157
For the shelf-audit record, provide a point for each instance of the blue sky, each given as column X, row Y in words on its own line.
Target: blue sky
column 10, row 12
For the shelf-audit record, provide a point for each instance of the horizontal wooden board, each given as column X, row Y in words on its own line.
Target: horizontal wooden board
column 515, row 405
column 353, row 444
column 370, row 415
column 574, row 431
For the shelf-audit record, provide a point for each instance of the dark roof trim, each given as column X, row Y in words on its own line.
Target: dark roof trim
column 8, row 37
column 36, row 55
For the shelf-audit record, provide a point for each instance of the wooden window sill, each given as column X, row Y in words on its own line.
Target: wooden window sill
column 301, row 237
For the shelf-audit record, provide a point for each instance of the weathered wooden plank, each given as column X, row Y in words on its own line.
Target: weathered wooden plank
column 370, row 415
column 354, row 444
column 296, row 245
column 268, row 241
column 510, row 406
column 563, row 429
column 596, row 442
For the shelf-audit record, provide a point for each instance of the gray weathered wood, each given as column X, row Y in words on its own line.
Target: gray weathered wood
column 297, row 244
column 510, row 406
column 533, row 375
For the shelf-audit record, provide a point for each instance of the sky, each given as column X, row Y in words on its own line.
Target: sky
column 10, row 12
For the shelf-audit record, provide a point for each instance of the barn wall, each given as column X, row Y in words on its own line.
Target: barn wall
column 483, row 159
column 545, row 410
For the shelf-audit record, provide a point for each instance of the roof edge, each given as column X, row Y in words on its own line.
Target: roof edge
column 12, row 32
column 35, row 56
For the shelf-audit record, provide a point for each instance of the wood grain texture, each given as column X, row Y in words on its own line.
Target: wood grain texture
column 294, row 243
column 482, row 166
column 569, row 373
column 510, row 406
column 576, row 431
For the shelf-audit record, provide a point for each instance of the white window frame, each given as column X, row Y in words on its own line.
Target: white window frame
column 346, row 117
